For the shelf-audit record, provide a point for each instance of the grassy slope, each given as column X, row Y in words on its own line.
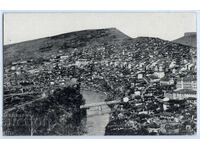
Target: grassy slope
column 187, row 40
column 45, row 47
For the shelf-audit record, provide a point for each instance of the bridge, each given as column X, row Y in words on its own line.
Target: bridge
column 99, row 105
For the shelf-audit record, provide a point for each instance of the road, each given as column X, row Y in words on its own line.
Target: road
column 99, row 104
column 22, row 105
column 19, row 94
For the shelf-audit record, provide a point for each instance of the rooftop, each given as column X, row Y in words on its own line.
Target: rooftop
column 185, row 91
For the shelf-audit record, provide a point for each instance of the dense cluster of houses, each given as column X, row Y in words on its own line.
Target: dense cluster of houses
column 151, row 85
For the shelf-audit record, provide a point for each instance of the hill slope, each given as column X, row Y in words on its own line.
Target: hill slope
column 189, row 39
column 45, row 47
column 84, row 44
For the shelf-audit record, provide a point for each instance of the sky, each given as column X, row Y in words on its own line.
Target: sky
column 20, row 27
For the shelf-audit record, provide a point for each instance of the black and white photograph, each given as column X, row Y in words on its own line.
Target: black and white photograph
column 100, row 74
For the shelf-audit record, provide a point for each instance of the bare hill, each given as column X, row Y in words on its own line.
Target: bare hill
column 45, row 47
column 189, row 39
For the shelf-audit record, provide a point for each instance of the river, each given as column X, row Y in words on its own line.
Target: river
column 97, row 119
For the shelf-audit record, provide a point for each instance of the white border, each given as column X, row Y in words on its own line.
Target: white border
column 102, row 137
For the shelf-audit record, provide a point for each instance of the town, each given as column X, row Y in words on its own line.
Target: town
column 156, row 81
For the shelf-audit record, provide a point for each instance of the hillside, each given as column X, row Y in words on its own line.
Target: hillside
column 48, row 46
column 104, row 60
column 84, row 44
column 189, row 39
column 59, row 114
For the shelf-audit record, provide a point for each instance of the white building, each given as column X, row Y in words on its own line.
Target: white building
column 81, row 62
column 140, row 76
column 166, row 81
column 181, row 94
column 187, row 83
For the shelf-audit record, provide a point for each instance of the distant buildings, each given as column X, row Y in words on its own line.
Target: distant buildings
column 81, row 62
column 159, row 71
column 154, row 78
column 140, row 76
column 187, row 83
column 181, row 94
column 166, row 81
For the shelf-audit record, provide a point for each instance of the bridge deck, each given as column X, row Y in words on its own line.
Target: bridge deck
column 99, row 104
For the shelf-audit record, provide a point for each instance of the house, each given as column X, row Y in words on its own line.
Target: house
column 19, row 63
column 137, row 93
column 140, row 76
column 15, row 63
column 33, row 71
column 154, row 78
column 159, row 74
column 166, row 105
column 166, row 81
column 63, row 57
column 159, row 71
column 172, row 128
column 192, row 100
column 187, row 83
column 23, row 62
column 181, row 94
column 81, row 62
column 189, row 66
column 143, row 113
column 129, row 66
column 172, row 64
column 13, row 68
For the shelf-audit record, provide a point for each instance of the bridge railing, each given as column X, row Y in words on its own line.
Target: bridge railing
column 86, row 106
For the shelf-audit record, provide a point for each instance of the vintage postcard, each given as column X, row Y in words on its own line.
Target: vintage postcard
column 100, row 74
